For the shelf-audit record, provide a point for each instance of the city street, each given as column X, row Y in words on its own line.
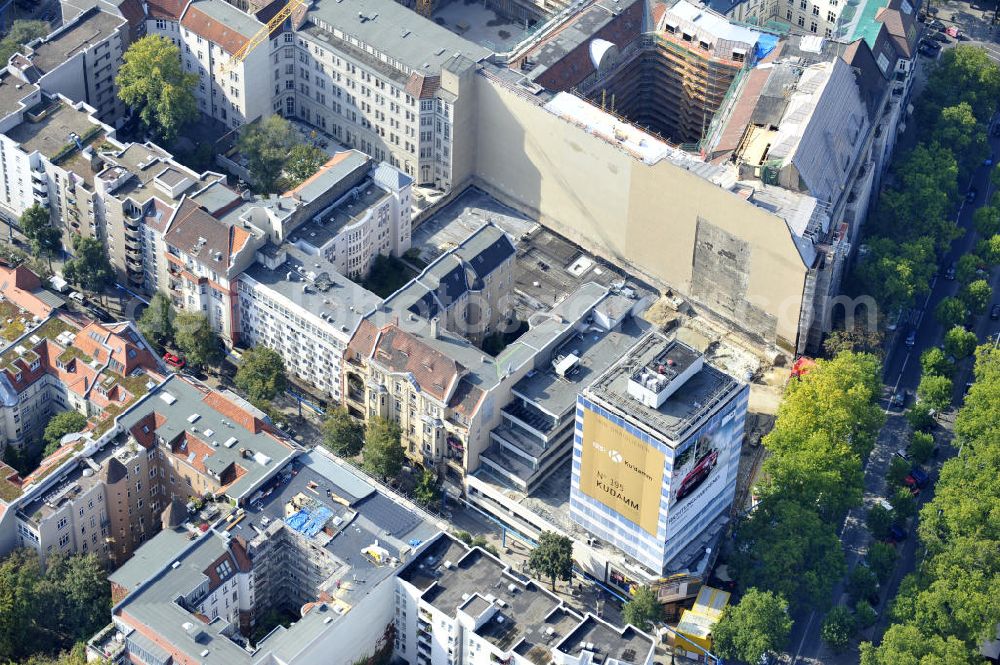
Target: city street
column 902, row 373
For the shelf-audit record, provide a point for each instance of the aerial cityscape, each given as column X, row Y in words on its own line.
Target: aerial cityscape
column 499, row 332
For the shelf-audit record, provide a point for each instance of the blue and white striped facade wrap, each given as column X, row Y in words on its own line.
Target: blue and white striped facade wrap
column 683, row 513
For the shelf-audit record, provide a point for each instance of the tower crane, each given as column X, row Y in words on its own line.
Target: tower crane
column 261, row 35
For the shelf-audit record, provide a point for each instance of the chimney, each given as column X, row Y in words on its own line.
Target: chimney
column 434, row 327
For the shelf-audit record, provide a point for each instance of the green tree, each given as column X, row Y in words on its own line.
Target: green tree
column 989, row 249
column 552, row 557
column 21, row 32
column 382, row 454
column 922, row 447
column 61, row 424
column 20, row 573
column 934, row 362
column 643, row 610
column 976, row 296
column 33, row 220
column 881, row 558
column 302, row 161
column 152, row 82
column 935, row 391
column 838, row 628
column 157, row 320
column 879, row 521
column 261, row 375
column 480, row 541
column 920, row 418
column 90, row 269
column 959, row 130
column 865, row 614
column 75, row 588
column 756, row 626
column 46, row 240
column 904, row 643
column 426, row 491
column 963, row 74
column 862, row 583
column 986, row 220
column 857, row 339
column 786, row 548
column 959, row 342
column 966, row 267
column 342, row 434
column 266, row 145
column 898, row 470
column 904, row 505
column 195, row 338
column 951, row 312
column 895, row 273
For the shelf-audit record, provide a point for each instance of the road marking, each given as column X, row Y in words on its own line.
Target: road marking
column 805, row 633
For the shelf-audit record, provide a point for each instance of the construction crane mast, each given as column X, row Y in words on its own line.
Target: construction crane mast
column 262, row 35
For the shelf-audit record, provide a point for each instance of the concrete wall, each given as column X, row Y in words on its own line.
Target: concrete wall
column 602, row 198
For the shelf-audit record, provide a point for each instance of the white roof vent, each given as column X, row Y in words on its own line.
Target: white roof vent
column 193, row 418
column 167, row 397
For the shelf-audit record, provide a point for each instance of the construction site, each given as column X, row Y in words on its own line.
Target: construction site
column 674, row 79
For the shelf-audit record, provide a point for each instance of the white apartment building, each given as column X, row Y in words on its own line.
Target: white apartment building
column 462, row 606
column 371, row 217
column 303, row 308
column 79, row 60
column 211, row 32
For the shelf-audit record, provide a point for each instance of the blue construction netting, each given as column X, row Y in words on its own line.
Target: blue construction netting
column 309, row 522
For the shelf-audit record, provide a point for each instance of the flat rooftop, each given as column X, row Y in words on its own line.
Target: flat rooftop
column 416, row 43
column 519, row 614
column 597, row 351
column 325, row 227
column 326, row 294
column 626, row 645
column 50, row 134
column 146, row 163
column 93, row 27
column 682, row 410
column 12, row 91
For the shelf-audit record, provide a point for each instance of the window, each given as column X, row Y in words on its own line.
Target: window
column 812, row 26
column 831, row 17
column 815, row 10
column 788, row 14
column 802, row 22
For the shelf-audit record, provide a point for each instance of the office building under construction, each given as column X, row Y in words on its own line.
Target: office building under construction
column 675, row 78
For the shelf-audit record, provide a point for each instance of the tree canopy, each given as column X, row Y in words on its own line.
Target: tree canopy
column 552, row 557
column 276, row 155
column 261, row 375
column 303, row 161
column 342, row 434
column 756, row 626
column 936, row 391
column 838, row 628
column 61, row 424
column 642, row 610
column 152, row 82
column 959, row 342
column 945, row 610
column 382, row 454
column 43, row 612
column 195, row 338
column 157, row 320
column 90, row 269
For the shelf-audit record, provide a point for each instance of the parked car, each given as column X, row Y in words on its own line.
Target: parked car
column 173, row 360
column 988, row 161
column 935, row 25
column 911, row 339
column 950, row 272
column 931, row 44
column 897, row 400
column 940, row 37
column 896, row 534
column 995, row 313
column 971, row 195
column 918, row 477
column 996, row 129
column 952, row 31
column 901, row 453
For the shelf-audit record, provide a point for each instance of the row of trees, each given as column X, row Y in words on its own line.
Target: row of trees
column 47, row 611
column 947, row 608
column 787, row 553
column 379, row 443
column 912, row 225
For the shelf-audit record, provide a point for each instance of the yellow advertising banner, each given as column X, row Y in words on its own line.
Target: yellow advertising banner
column 621, row 471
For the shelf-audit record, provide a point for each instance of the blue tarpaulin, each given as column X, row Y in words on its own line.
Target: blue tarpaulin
column 765, row 44
column 309, row 522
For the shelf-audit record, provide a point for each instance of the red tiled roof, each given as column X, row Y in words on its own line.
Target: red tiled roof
column 166, row 9
column 19, row 285
column 401, row 352
column 214, row 31
column 194, row 231
column 231, row 411
column 363, row 342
